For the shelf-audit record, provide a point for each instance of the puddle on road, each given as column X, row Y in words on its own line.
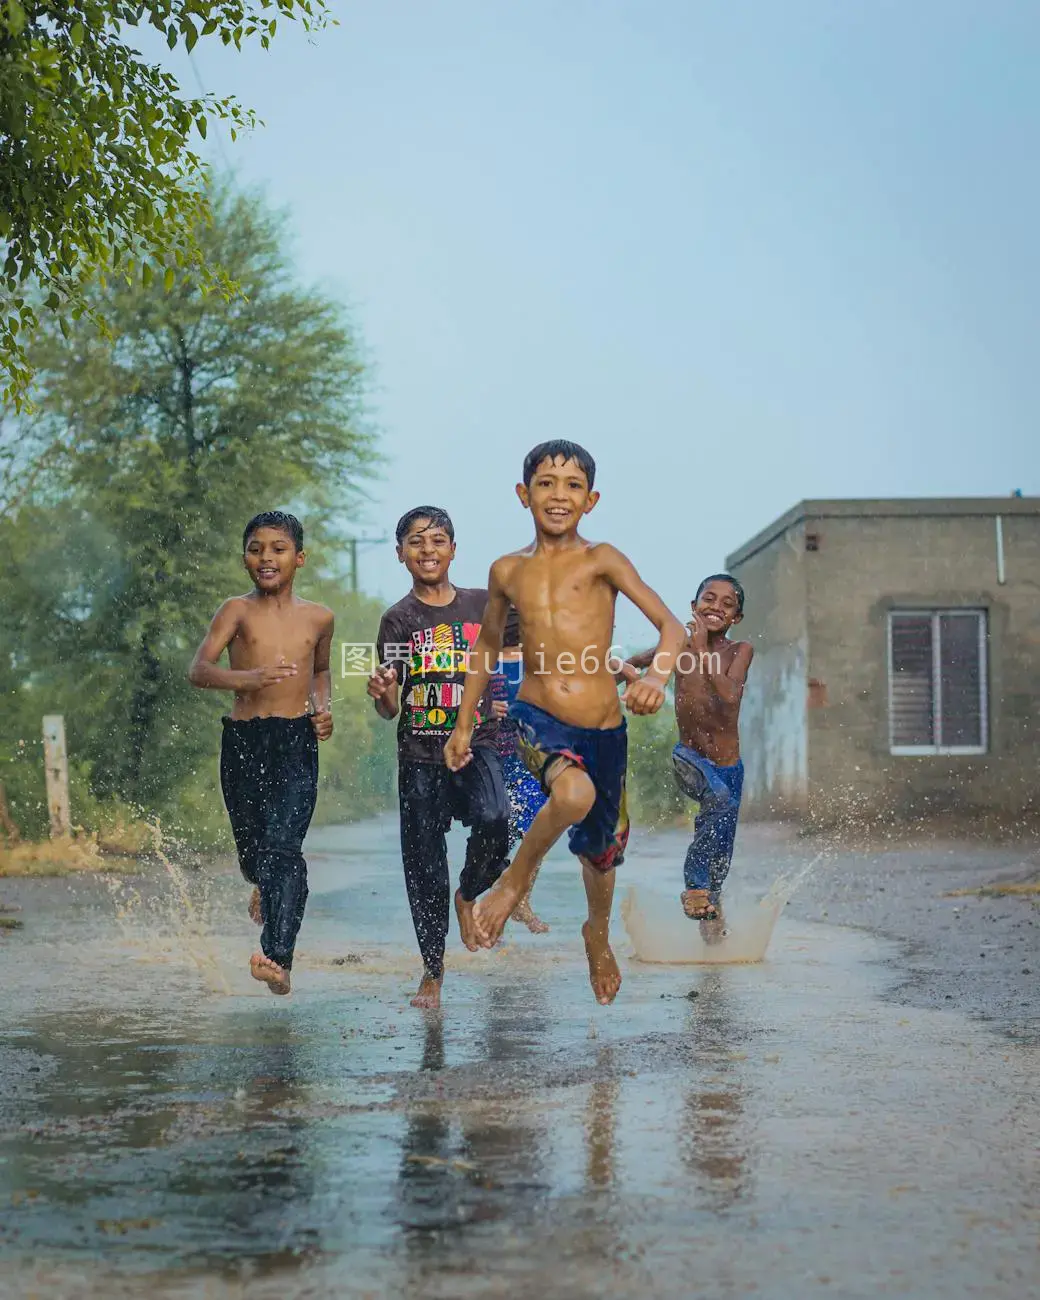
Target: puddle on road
column 760, row 1127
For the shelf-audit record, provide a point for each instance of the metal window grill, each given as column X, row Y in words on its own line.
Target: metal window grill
column 937, row 681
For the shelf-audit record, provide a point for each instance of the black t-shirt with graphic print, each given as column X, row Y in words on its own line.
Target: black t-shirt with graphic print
column 427, row 646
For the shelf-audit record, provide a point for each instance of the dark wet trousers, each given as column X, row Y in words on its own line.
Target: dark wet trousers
column 431, row 798
column 269, row 776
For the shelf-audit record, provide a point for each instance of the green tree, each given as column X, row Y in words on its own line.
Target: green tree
column 200, row 413
column 98, row 173
column 655, row 801
column 358, row 764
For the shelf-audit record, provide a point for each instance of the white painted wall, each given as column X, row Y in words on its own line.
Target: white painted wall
column 774, row 731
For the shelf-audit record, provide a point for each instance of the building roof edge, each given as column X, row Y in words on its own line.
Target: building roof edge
column 880, row 508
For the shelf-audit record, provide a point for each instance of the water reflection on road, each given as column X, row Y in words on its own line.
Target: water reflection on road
column 776, row 1130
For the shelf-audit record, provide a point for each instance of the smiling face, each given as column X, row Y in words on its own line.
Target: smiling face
column 718, row 606
column 426, row 551
column 272, row 559
column 558, row 496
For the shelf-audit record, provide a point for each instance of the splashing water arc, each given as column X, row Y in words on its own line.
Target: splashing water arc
column 661, row 934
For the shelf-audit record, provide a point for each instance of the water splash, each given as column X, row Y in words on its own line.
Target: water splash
column 661, row 934
column 175, row 923
column 785, row 884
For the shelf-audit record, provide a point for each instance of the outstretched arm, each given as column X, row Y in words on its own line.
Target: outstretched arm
column 642, row 660
column 321, row 690
column 646, row 657
column 206, row 672
column 384, row 686
column 485, row 655
column 385, row 692
column 647, row 694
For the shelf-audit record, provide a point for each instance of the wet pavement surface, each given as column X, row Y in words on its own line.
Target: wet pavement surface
column 781, row 1129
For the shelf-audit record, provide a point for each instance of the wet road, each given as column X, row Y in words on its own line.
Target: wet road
column 774, row 1130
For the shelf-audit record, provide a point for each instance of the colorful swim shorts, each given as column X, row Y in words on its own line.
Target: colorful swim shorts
column 543, row 741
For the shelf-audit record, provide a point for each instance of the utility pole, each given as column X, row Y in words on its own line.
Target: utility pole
column 354, row 543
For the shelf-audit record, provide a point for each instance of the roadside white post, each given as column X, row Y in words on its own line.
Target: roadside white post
column 56, row 764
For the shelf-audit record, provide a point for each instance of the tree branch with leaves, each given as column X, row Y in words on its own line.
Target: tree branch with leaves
column 99, row 174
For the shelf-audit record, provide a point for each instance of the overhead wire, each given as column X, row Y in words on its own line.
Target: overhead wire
column 219, row 132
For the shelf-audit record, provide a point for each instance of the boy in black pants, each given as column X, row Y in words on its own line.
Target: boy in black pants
column 278, row 646
column 423, row 646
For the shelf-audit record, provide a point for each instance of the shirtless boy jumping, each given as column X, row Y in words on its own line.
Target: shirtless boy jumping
column 571, row 731
column 710, row 674
column 278, row 646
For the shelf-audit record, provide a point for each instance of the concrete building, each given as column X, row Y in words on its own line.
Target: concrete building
column 897, row 659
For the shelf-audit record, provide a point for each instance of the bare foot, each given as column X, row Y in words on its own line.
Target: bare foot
column 604, row 975
column 467, row 926
column 254, row 907
column 523, row 913
column 268, row 972
column 493, row 909
column 428, row 994
column 697, row 905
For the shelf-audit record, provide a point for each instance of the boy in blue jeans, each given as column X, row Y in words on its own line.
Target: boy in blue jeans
column 710, row 674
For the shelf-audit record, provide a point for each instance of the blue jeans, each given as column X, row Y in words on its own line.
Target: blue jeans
column 717, row 790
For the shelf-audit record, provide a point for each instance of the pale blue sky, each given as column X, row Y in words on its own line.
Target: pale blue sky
column 745, row 252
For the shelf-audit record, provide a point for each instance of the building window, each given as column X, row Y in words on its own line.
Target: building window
column 937, row 681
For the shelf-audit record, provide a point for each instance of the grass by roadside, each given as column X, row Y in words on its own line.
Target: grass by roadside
column 117, row 842
column 67, row 856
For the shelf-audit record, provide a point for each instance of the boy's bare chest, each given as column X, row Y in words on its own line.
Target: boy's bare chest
column 277, row 637
column 694, row 690
column 560, row 587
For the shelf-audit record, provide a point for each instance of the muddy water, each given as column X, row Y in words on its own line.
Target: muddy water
column 773, row 1129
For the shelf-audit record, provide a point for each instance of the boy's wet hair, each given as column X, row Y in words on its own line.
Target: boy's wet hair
column 438, row 519
column 275, row 519
column 555, row 450
column 723, row 577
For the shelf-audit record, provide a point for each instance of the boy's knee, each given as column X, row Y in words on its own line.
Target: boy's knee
column 279, row 855
column 493, row 831
column 573, row 793
column 599, row 867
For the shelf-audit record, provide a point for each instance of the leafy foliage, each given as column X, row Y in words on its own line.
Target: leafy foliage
column 162, row 444
column 654, row 798
column 98, row 173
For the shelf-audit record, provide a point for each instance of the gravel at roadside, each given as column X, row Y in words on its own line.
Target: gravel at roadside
column 979, row 952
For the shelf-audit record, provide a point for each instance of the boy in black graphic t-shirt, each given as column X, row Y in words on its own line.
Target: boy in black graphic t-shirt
column 423, row 643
